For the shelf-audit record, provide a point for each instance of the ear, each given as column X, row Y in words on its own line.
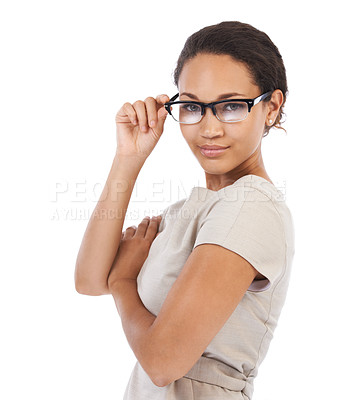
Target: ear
column 274, row 105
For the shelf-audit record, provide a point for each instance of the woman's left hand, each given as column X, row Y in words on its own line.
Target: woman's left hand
column 133, row 250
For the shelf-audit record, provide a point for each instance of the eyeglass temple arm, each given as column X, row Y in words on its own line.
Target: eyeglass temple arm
column 174, row 97
column 261, row 97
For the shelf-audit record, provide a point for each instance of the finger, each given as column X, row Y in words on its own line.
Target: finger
column 162, row 112
column 152, row 229
column 142, row 227
column 130, row 231
column 127, row 113
column 152, row 107
column 161, row 99
column 131, row 113
column 141, row 113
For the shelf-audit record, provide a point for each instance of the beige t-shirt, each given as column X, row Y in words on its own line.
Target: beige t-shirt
column 251, row 218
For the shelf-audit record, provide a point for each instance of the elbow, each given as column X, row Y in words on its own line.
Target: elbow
column 162, row 379
column 79, row 283
column 81, row 288
column 160, row 382
column 89, row 288
column 167, row 374
column 163, row 363
column 161, row 372
column 159, row 378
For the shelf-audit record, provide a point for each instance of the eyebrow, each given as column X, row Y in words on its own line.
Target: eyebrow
column 220, row 97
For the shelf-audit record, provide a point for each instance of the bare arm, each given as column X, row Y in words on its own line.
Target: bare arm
column 208, row 289
column 102, row 236
column 138, row 129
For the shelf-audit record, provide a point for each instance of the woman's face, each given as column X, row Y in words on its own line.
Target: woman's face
column 208, row 78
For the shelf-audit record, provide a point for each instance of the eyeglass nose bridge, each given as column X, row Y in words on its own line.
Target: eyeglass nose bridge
column 213, row 109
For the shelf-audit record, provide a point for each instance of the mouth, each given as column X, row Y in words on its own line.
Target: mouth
column 213, row 151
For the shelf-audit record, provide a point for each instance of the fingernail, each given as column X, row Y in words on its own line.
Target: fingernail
column 152, row 123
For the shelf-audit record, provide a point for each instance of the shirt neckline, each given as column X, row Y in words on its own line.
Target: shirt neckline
column 249, row 177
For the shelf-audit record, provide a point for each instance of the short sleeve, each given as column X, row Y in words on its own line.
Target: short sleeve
column 250, row 227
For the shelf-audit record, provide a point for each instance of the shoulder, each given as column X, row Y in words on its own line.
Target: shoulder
column 248, row 221
column 254, row 197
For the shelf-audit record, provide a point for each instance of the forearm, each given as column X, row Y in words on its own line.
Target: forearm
column 103, row 233
column 136, row 322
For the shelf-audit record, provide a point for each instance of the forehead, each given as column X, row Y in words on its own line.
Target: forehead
column 208, row 75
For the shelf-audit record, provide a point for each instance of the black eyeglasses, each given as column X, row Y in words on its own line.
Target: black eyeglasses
column 191, row 112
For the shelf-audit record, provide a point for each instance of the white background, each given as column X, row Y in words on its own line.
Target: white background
column 66, row 68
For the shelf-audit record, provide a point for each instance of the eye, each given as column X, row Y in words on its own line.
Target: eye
column 232, row 106
column 191, row 107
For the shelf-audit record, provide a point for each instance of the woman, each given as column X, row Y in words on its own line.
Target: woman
column 200, row 288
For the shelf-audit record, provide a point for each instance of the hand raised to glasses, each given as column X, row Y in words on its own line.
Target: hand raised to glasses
column 139, row 126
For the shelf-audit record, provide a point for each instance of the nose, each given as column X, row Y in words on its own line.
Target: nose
column 211, row 126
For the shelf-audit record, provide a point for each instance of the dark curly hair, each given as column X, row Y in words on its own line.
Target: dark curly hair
column 244, row 43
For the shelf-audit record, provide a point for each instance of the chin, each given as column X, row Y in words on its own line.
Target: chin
column 214, row 166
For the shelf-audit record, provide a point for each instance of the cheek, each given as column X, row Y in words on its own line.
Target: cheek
column 257, row 121
column 190, row 133
column 247, row 132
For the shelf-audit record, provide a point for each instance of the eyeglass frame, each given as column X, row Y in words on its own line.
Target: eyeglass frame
column 249, row 102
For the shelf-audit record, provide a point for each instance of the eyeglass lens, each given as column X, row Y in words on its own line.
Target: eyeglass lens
column 191, row 113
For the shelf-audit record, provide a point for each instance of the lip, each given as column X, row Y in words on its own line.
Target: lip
column 212, row 151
